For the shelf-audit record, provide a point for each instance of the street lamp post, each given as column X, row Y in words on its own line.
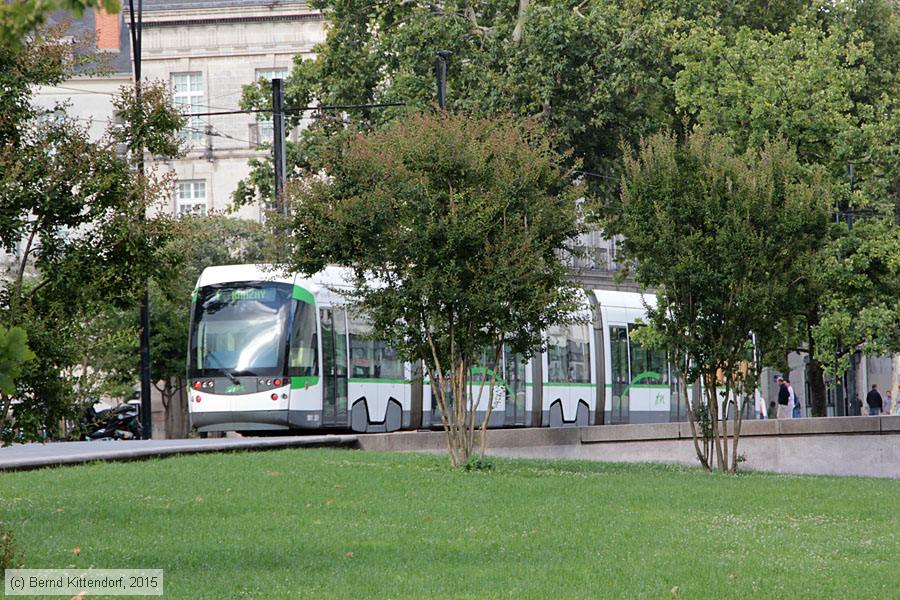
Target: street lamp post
column 440, row 71
column 146, row 408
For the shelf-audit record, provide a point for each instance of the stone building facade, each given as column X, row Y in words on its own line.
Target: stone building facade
column 207, row 50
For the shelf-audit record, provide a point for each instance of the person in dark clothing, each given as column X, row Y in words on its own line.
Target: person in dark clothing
column 784, row 400
column 873, row 399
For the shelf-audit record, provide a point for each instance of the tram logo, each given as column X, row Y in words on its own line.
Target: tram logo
column 236, row 388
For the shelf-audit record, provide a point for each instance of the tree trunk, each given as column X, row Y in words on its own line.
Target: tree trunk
column 519, row 29
column 176, row 417
column 817, row 387
column 174, row 400
column 5, row 403
column 702, row 451
column 713, row 404
column 814, row 373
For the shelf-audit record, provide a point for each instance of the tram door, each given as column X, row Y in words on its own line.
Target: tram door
column 334, row 367
column 514, row 370
column 618, row 355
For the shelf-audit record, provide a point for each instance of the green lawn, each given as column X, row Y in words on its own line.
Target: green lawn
column 338, row 523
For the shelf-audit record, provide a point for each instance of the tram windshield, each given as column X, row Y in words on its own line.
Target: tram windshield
column 240, row 329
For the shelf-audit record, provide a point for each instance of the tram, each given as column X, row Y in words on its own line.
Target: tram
column 270, row 352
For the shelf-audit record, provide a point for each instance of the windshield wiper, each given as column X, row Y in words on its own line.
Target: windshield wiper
column 228, row 373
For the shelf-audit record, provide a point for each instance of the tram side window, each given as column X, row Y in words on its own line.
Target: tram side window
column 362, row 351
column 556, row 355
column 568, row 354
column 371, row 358
column 387, row 365
column 579, row 353
column 303, row 357
column 650, row 365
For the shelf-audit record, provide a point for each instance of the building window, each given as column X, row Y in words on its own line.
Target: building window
column 188, row 94
column 190, row 198
column 264, row 123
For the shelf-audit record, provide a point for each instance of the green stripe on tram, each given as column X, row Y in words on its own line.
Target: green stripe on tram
column 376, row 380
column 299, row 383
column 567, row 384
column 303, row 295
column 645, row 386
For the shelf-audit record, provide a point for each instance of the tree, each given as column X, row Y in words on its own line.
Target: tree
column 14, row 353
column 861, row 299
column 595, row 73
column 591, row 72
column 71, row 223
column 719, row 235
column 827, row 84
column 452, row 227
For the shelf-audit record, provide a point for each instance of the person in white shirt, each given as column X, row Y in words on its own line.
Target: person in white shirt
column 793, row 404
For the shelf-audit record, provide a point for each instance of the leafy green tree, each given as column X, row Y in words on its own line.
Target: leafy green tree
column 592, row 72
column 707, row 227
column 861, row 298
column 70, row 224
column 452, row 227
column 829, row 85
column 14, row 353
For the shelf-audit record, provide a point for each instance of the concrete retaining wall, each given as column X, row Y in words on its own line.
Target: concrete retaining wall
column 867, row 446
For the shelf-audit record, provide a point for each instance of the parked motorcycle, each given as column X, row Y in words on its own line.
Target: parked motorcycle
column 119, row 423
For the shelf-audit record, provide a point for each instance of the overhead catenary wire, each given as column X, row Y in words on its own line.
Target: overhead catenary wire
column 297, row 109
column 111, row 94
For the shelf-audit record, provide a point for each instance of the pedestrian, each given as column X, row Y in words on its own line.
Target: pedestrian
column 761, row 412
column 888, row 402
column 794, row 401
column 784, row 400
column 873, row 399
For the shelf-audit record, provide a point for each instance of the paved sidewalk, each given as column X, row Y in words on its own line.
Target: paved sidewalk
column 33, row 456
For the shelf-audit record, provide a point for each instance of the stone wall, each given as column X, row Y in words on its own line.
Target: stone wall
column 867, row 446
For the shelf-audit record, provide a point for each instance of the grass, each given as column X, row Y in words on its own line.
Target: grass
column 347, row 524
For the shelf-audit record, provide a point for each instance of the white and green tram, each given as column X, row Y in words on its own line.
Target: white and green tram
column 275, row 353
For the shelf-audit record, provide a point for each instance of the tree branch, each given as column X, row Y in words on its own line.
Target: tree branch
column 20, row 275
column 479, row 30
column 519, row 30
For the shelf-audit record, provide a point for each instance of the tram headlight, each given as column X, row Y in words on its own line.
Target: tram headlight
column 277, row 383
